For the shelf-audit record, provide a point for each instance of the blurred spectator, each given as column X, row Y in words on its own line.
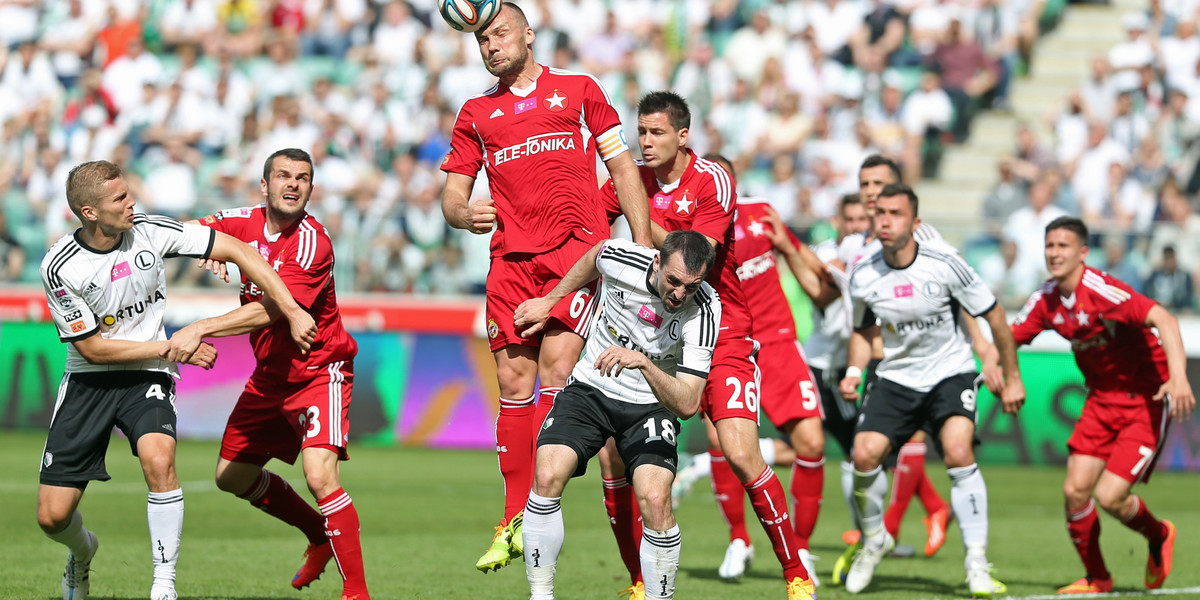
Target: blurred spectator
column 1178, row 54
column 1171, row 287
column 834, row 22
column 741, row 122
column 967, row 74
column 1071, row 129
column 995, row 27
column 240, row 32
column 112, row 41
column 190, row 22
column 330, row 26
column 169, row 187
column 1099, row 91
column 1179, row 229
column 1120, row 262
column 1030, row 158
column 1010, row 285
column 1005, row 198
column 70, row 39
column 124, row 77
column 1136, row 50
column 882, row 31
column 784, row 187
column 1090, row 176
column 29, row 74
column 12, row 255
column 604, row 51
column 19, row 22
column 1026, row 228
column 1128, row 128
column 786, row 129
column 1120, row 205
column 884, row 119
column 926, row 114
column 752, row 45
column 94, row 139
column 176, row 116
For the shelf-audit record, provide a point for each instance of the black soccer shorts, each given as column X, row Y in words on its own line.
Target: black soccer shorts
column 88, row 406
column 583, row 418
column 898, row 411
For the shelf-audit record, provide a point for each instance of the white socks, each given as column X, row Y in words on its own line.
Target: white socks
column 766, row 446
column 660, row 561
column 74, row 537
column 848, row 492
column 968, row 498
column 164, row 511
column 543, row 537
column 870, row 489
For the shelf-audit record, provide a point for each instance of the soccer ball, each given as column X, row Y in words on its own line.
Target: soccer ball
column 468, row 15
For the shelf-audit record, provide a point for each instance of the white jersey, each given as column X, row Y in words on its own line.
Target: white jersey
column 826, row 346
column 632, row 315
column 918, row 308
column 118, row 293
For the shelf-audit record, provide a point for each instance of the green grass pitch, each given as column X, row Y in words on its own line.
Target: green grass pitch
column 427, row 515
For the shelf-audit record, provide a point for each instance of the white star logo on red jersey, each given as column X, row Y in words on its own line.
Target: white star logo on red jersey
column 683, row 205
column 1082, row 317
column 756, row 228
column 556, row 102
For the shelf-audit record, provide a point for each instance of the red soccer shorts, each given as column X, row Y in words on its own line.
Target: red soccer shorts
column 276, row 419
column 516, row 278
column 733, row 383
column 1127, row 437
column 789, row 392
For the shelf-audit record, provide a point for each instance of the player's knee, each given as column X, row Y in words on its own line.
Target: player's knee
column 548, row 483
column 747, row 463
column 657, row 510
column 556, row 371
column 958, row 454
column 51, row 519
column 1113, row 503
column 160, row 470
column 1075, row 496
column 809, row 448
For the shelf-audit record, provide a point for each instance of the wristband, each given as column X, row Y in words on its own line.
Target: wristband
column 854, row 372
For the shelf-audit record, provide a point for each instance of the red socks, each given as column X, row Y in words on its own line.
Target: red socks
column 1084, row 528
column 770, row 504
column 909, row 479
column 626, row 520
column 514, row 447
column 728, row 491
column 341, row 527
column 1140, row 520
column 808, row 479
column 272, row 495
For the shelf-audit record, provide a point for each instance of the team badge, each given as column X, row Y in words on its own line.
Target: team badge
column 555, row 102
column 144, row 260
column 78, row 327
column 108, row 320
column 209, row 220
column 493, row 329
column 932, row 290
column 47, row 460
column 549, row 421
column 683, row 206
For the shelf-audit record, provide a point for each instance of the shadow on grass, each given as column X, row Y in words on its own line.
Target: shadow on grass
column 710, row 574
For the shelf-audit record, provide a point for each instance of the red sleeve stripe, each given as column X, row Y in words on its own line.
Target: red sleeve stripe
column 306, row 250
column 1097, row 284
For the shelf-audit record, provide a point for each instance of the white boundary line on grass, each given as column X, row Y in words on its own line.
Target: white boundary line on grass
column 1129, row 594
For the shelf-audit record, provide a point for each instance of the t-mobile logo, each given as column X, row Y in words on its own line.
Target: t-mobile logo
column 537, row 557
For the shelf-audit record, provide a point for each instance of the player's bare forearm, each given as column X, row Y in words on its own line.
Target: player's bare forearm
column 456, row 201
column 531, row 315
column 819, row 290
column 243, row 319
column 1013, row 395
column 858, row 354
column 658, row 234
column 1172, row 341
column 99, row 350
column 631, row 195
column 679, row 394
column 256, row 269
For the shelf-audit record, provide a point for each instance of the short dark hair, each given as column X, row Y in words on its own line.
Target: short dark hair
column 876, row 160
column 669, row 103
column 1072, row 224
column 847, row 200
column 289, row 153
column 724, row 162
column 698, row 254
column 899, row 189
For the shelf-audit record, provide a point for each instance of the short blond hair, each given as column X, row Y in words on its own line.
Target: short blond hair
column 84, row 181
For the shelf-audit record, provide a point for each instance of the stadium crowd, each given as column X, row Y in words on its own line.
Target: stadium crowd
column 189, row 96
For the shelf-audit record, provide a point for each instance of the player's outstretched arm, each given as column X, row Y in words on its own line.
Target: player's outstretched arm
column 243, row 319
column 631, row 194
column 1013, row 395
column 256, row 269
column 531, row 315
column 858, row 355
column 986, row 352
column 98, row 350
column 460, row 213
column 1183, row 401
column 679, row 394
column 812, row 275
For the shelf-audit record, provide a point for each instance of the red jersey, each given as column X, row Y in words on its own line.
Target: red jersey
column 702, row 200
column 759, row 273
column 538, row 150
column 303, row 256
column 1105, row 321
